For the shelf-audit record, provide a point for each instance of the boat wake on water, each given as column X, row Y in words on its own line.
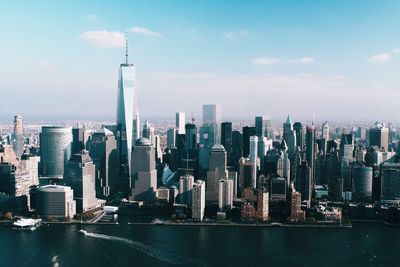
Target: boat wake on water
column 148, row 250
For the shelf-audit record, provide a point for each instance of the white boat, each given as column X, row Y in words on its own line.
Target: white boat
column 83, row 232
column 158, row 221
column 26, row 224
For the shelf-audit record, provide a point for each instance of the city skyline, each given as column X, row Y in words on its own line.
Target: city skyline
column 316, row 60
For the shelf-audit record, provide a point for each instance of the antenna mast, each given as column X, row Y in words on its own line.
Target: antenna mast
column 126, row 48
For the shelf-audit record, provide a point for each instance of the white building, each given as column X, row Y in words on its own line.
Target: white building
column 225, row 196
column 180, row 122
column 185, row 189
column 198, row 200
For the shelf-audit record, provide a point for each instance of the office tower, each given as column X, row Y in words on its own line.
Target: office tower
column 30, row 164
column 127, row 117
column 246, row 174
column 55, row 150
column 103, row 151
column 277, row 190
column 225, row 195
column 143, row 184
column 180, row 122
column 262, row 206
column 237, row 149
column 216, row 171
column 253, row 157
column 55, row 201
column 247, row 212
column 310, row 150
column 361, row 176
column 148, row 131
column 198, row 200
column 7, row 154
column 390, row 182
column 296, row 214
column 347, row 147
column 263, row 127
column 247, row 132
column 299, row 132
column 190, row 136
column 185, row 189
column 80, row 137
column 379, row 136
column 233, row 175
column 325, row 131
column 361, row 133
column 18, row 136
column 171, row 136
column 157, row 149
column 212, row 117
column 80, row 174
column 226, row 138
column 283, row 166
column 290, row 137
column 303, row 182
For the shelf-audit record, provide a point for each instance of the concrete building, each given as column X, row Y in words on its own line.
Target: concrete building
column 262, row 206
column 18, row 136
column 185, row 189
column 80, row 175
column 55, row 201
column 180, row 122
column 361, row 176
column 217, row 170
column 55, row 150
column 198, row 200
column 143, row 184
column 225, row 196
column 379, row 136
column 390, row 182
column 103, row 151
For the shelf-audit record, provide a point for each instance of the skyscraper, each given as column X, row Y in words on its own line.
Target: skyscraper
column 127, row 116
column 325, row 131
column 226, row 137
column 225, row 195
column 80, row 175
column 263, row 126
column 310, row 150
column 185, row 189
column 190, row 136
column 198, row 200
column 253, row 158
column 180, row 122
column 55, row 150
column 379, row 136
column 299, row 132
column 290, row 137
column 247, row 132
column 18, row 136
column 212, row 117
column 143, row 182
column 103, row 151
column 216, row 171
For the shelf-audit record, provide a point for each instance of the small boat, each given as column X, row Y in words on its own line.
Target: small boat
column 26, row 224
column 158, row 221
column 83, row 232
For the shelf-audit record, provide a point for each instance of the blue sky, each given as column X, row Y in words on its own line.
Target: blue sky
column 339, row 59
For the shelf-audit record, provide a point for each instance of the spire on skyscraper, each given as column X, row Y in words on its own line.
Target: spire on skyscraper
column 126, row 48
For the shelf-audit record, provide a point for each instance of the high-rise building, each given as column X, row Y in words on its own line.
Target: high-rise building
column 55, row 201
column 299, row 132
column 55, row 150
column 262, row 206
column 303, row 181
column 185, row 189
column 80, row 175
column 296, row 214
column 290, row 137
column 253, row 157
column 247, row 132
column 212, row 117
column 180, row 122
column 226, row 138
column 143, row 184
column 310, row 150
column 103, row 151
column 247, row 170
column 127, row 117
column 225, row 196
column 325, row 131
column 171, row 137
column 148, row 131
column 262, row 126
column 190, row 136
column 379, row 136
column 390, row 181
column 80, row 137
column 18, row 136
column 361, row 176
column 198, row 200
column 217, row 170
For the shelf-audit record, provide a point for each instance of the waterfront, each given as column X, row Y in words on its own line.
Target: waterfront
column 365, row 244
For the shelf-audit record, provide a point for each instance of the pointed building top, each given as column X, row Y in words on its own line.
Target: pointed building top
column 288, row 120
column 126, row 48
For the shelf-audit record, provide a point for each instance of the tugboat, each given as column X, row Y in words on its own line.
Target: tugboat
column 26, row 224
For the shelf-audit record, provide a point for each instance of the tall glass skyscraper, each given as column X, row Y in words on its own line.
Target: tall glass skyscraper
column 127, row 117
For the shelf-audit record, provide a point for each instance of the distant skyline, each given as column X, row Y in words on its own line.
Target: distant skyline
column 339, row 59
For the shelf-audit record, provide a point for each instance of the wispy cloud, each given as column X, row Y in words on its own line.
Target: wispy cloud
column 235, row 34
column 92, row 17
column 273, row 61
column 105, row 39
column 396, row 50
column 144, row 31
column 383, row 57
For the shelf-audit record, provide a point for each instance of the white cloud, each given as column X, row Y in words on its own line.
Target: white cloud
column 92, row 17
column 396, row 50
column 235, row 34
column 144, row 31
column 379, row 58
column 104, row 38
column 272, row 61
